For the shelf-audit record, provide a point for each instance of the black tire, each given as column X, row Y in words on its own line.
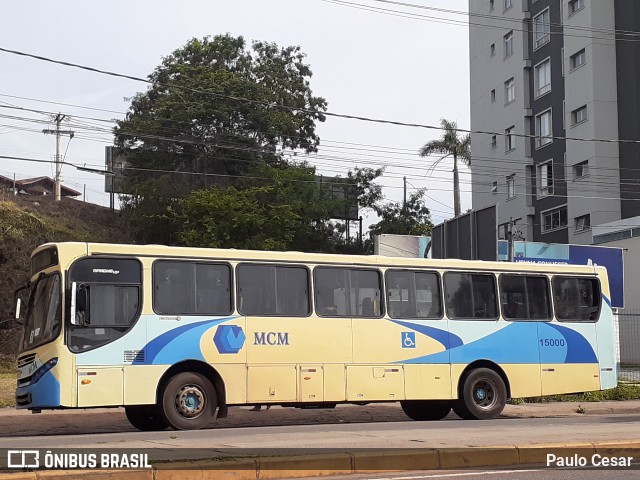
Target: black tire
column 422, row 410
column 188, row 401
column 483, row 395
column 145, row 417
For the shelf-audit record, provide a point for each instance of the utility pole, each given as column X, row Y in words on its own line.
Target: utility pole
column 510, row 239
column 404, row 202
column 456, row 187
column 57, row 132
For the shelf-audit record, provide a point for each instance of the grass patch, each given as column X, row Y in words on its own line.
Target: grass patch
column 8, row 389
column 622, row 392
column 7, row 364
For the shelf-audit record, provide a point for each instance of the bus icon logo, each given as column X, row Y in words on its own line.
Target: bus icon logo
column 229, row 338
column 23, row 458
column 408, row 339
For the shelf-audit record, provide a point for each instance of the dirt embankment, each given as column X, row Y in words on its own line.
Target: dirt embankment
column 29, row 221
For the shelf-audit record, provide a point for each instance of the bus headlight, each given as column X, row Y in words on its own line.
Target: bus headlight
column 44, row 369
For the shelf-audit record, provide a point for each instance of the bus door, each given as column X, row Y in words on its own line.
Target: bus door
column 292, row 355
column 377, row 372
column 396, row 352
column 568, row 345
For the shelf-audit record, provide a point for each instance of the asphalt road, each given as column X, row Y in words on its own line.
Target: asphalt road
column 451, row 432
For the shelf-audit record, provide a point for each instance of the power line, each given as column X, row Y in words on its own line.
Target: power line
column 306, row 110
column 506, row 19
column 615, row 184
column 561, row 28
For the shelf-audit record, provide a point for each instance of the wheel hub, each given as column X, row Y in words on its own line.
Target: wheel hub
column 484, row 394
column 190, row 401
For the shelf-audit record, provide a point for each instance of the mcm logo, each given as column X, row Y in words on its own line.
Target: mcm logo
column 229, row 338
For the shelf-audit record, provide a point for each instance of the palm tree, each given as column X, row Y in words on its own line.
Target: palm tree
column 451, row 144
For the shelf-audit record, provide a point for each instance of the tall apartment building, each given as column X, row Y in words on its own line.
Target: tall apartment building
column 548, row 77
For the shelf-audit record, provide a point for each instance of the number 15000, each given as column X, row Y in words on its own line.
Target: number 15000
column 552, row 342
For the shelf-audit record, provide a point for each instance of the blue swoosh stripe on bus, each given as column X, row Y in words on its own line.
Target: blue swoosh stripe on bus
column 178, row 344
column 516, row 343
column 579, row 350
column 448, row 339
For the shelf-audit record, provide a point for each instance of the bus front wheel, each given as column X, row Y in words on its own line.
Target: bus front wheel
column 188, row 401
column 422, row 410
column 482, row 397
column 145, row 417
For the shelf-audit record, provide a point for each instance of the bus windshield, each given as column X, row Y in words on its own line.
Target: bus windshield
column 44, row 312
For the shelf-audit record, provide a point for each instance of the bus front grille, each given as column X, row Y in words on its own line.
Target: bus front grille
column 26, row 360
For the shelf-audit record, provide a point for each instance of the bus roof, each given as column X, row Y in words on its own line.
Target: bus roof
column 310, row 258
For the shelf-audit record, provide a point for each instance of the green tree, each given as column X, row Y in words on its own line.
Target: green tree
column 451, row 144
column 396, row 218
column 277, row 208
column 215, row 110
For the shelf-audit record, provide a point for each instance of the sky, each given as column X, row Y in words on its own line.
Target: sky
column 390, row 65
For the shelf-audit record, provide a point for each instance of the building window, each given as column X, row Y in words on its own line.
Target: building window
column 579, row 115
column 583, row 223
column 581, row 169
column 494, row 187
column 508, row 44
column 509, row 139
column 577, row 59
column 502, row 231
column 541, row 29
column 545, row 179
column 508, row 4
column 493, row 95
column 575, row 5
column 543, row 77
column 494, row 141
column 543, row 129
column 554, row 219
column 492, row 49
column 509, row 91
column 511, row 186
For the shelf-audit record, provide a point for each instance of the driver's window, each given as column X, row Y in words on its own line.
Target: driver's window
column 103, row 314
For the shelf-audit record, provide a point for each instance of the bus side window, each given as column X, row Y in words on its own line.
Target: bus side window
column 331, row 292
column 576, row 299
column 470, row 296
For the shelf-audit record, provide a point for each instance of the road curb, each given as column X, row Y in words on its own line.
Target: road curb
column 269, row 468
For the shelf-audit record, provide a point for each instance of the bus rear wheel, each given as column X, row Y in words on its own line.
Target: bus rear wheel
column 188, row 401
column 145, row 417
column 422, row 410
column 482, row 397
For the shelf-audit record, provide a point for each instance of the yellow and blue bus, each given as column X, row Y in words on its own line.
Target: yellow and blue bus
column 177, row 335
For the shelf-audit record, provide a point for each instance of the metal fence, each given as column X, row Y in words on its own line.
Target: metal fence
column 629, row 350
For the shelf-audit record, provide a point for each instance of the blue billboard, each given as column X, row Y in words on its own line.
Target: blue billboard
column 555, row 253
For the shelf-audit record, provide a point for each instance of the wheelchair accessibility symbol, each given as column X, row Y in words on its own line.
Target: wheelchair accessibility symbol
column 408, row 339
